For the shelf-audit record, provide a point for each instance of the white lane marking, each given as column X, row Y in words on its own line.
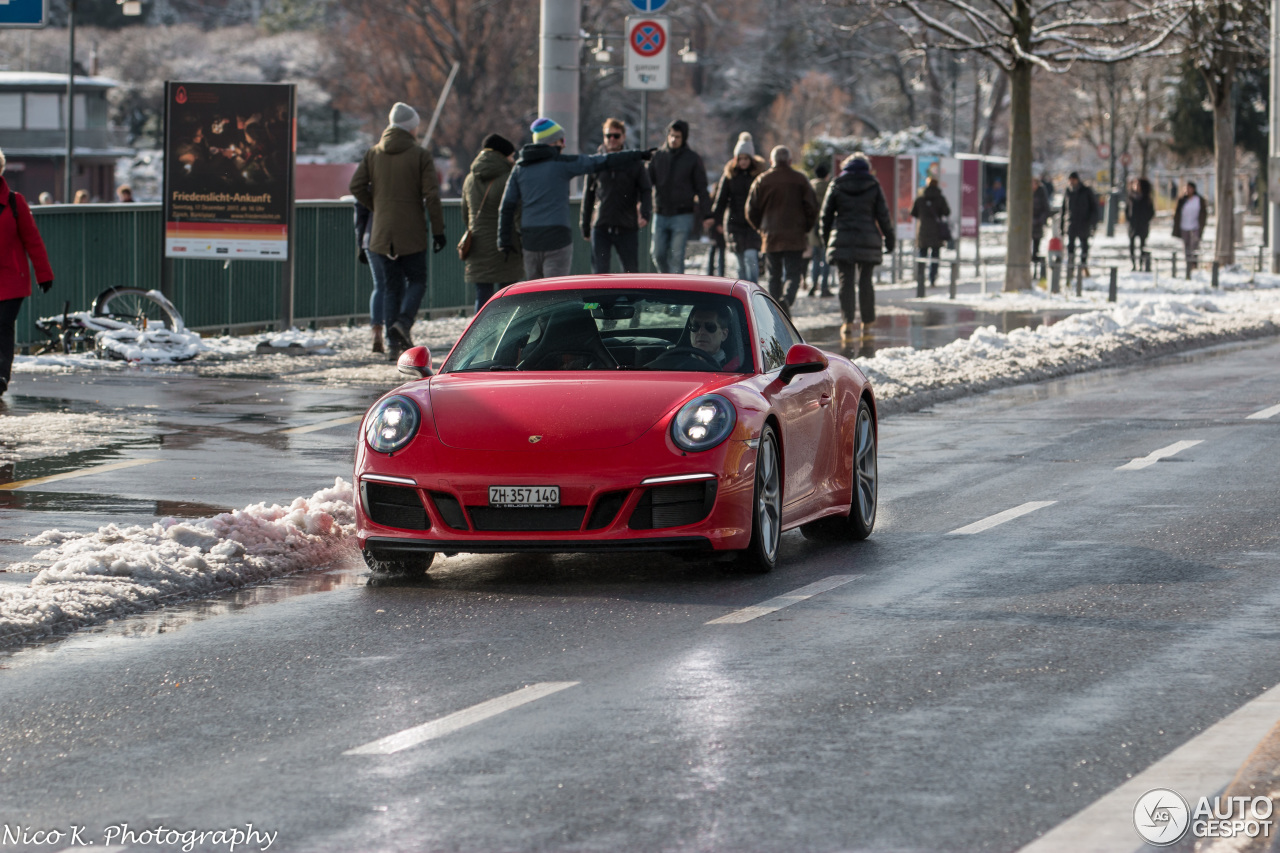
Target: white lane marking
column 1201, row 767
column 459, row 719
column 302, row 430
column 71, row 475
column 1264, row 414
column 1156, row 455
column 746, row 614
column 1001, row 517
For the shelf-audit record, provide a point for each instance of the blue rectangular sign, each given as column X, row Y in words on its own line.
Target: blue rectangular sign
column 23, row 13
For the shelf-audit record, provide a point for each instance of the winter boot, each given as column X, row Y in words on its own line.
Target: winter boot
column 377, row 340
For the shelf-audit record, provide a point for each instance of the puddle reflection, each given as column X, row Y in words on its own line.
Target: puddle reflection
column 95, row 503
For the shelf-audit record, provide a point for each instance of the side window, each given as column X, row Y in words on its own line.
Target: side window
column 776, row 332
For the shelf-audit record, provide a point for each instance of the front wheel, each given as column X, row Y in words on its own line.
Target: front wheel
column 761, row 554
column 137, row 307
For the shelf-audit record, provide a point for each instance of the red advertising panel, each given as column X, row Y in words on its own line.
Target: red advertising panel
column 228, row 176
column 905, row 197
column 883, row 168
column 970, row 197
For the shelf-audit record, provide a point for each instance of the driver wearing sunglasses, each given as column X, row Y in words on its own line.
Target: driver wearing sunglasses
column 708, row 328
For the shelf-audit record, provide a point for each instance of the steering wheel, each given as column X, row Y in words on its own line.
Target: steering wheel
column 674, row 352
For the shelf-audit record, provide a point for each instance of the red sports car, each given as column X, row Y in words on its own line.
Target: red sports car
column 618, row 413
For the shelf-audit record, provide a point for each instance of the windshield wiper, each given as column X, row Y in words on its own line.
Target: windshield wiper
column 486, row 368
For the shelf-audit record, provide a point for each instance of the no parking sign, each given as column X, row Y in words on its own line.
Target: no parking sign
column 648, row 53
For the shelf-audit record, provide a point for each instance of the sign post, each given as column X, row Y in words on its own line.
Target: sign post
column 648, row 66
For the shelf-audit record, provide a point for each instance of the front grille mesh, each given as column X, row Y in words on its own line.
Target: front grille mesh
column 673, row 506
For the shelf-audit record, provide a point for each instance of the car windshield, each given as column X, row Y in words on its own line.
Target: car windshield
column 606, row 330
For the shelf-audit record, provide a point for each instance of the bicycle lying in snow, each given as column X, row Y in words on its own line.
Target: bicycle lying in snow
column 126, row 323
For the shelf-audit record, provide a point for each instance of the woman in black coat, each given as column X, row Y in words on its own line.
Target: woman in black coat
column 1139, row 210
column 930, row 209
column 855, row 224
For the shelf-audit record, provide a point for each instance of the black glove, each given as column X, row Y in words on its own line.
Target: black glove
column 506, row 251
column 45, row 286
column 362, row 256
column 648, row 155
column 437, row 243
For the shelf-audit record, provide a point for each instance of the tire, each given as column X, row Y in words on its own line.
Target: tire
column 409, row 565
column 138, row 307
column 857, row 525
column 761, row 554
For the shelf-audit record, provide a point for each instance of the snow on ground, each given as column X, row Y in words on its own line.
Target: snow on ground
column 88, row 577
column 85, row 578
column 24, row 437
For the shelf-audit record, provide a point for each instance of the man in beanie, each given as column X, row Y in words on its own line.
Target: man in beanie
column 393, row 180
column 679, row 192
column 1080, row 214
column 538, row 189
column 730, row 212
column 783, row 208
column 609, row 218
column 485, row 267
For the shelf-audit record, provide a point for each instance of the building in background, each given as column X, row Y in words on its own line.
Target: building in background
column 33, row 135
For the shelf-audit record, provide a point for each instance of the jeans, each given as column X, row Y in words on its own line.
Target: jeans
column 484, row 292
column 376, row 315
column 1140, row 241
column 819, row 271
column 625, row 240
column 8, row 316
column 926, row 252
column 788, row 266
column 551, row 264
column 670, row 234
column 748, row 265
column 1084, row 249
column 715, row 260
column 1191, row 243
column 404, row 281
column 856, row 276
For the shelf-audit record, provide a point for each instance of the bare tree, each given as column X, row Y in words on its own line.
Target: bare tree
column 1021, row 35
column 1223, row 37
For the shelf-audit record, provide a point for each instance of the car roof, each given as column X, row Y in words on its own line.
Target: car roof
column 651, row 281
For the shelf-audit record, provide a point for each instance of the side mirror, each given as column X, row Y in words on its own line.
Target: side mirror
column 415, row 362
column 802, row 358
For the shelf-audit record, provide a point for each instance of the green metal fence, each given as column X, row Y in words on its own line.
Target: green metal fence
column 96, row 246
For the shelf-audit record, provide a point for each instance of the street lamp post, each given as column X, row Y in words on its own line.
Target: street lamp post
column 128, row 7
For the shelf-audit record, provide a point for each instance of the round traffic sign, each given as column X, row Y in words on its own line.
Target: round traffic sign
column 648, row 38
column 1104, row 151
column 648, row 5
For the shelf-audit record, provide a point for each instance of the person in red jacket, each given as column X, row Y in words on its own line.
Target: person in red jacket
column 19, row 241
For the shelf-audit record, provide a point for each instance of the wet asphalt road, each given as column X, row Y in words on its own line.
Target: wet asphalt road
column 961, row 692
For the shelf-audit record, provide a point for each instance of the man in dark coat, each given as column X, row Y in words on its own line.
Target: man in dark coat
column 394, row 180
column 730, row 212
column 485, row 267
column 782, row 207
column 855, row 225
column 609, row 219
column 929, row 211
column 679, row 193
column 1041, row 210
column 1139, row 210
column 1079, row 218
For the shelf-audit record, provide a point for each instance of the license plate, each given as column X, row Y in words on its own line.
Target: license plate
column 524, row 496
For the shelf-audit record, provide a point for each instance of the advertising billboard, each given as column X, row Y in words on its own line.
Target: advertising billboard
column 228, row 170
column 905, row 197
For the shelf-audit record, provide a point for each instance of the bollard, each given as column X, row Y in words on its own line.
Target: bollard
column 1214, row 274
column 1260, row 252
column 1173, row 265
column 1055, row 282
column 955, row 278
column 1080, row 281
column 1146, row 261
column 1071, row 272
column 1111, row 289
column 919, row 279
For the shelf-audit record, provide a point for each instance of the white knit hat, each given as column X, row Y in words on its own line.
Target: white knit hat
column 404, row 117
column 744, row 146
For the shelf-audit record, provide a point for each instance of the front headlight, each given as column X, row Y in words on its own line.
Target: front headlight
column 703, row 422
column 392, row 424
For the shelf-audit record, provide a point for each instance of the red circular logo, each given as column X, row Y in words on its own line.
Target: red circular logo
column 648, row 38
column 181, row 97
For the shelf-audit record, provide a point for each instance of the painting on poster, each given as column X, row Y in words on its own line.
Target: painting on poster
column 970, row 197
column 228, row 178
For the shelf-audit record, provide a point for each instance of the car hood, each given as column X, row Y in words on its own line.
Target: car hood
column 502, row 412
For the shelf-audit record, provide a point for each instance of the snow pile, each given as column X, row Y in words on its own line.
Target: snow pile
column 914, row 140
column 154, row 346
column 56, row 433
column 122, row 570
column 905, row 378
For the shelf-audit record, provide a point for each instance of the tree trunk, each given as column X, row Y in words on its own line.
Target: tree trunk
column 1224, row 155
column 1018, row 191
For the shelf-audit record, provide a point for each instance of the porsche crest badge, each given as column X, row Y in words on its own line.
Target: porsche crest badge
column 534, row 439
